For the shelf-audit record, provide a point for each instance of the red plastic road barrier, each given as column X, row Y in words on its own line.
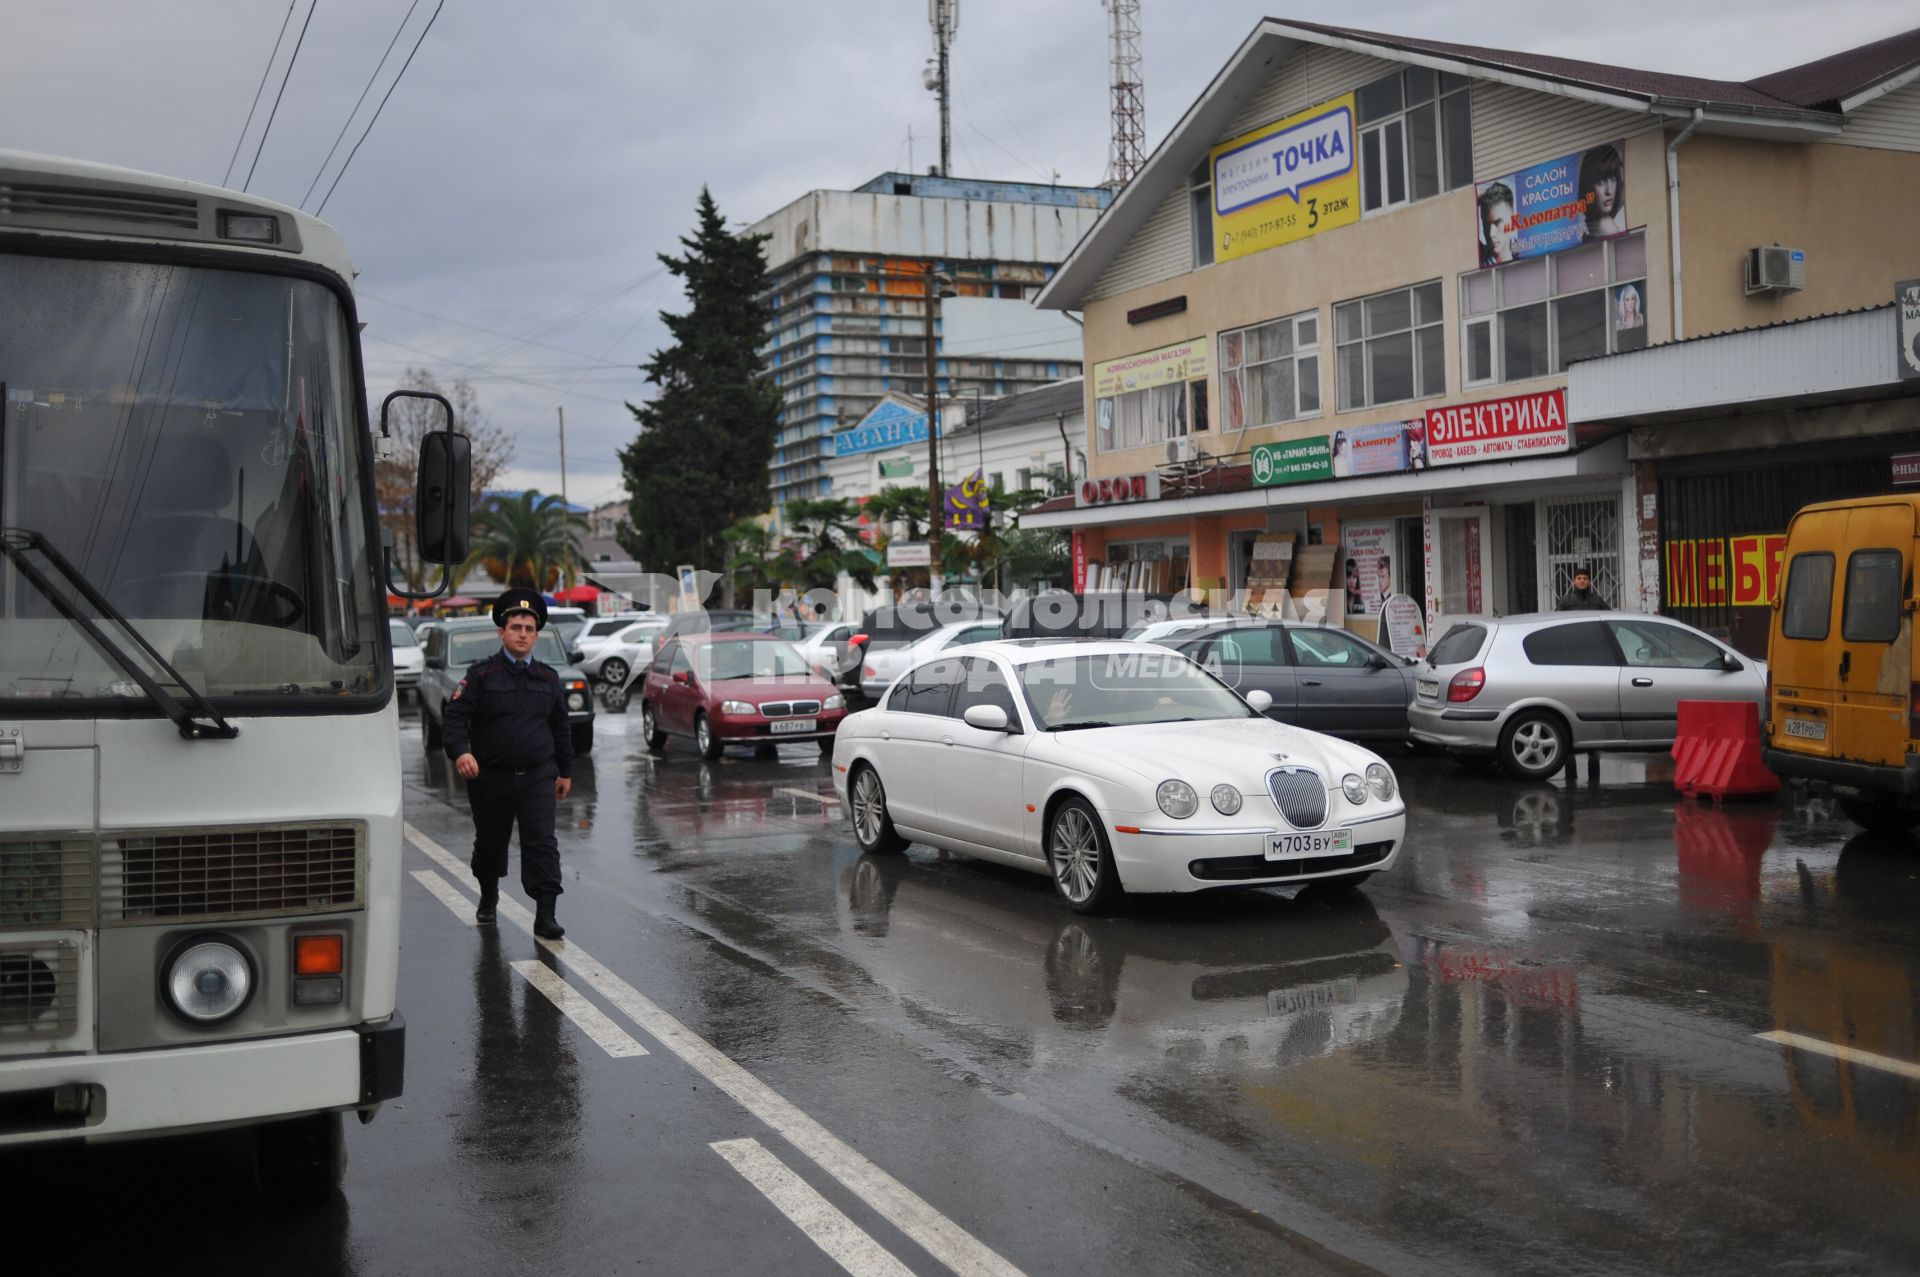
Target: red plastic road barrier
column 1716, row 752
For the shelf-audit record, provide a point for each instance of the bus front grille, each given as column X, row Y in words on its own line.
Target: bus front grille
column 46, row 882
column 39, row 991
column 231, row 872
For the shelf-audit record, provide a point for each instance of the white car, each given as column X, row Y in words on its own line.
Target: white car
column 600, row 629
column 620, row 653
column 880, row 668
column 1111, row 767
column 409, row 661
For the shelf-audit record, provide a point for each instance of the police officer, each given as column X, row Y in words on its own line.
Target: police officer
column 506, row 731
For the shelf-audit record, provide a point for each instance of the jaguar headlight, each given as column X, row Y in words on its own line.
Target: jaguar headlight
column 736, row 707
column 1354, row 788
column 1177, row 799
column 1380, row 780
column 1226, row 799
column 209, row 981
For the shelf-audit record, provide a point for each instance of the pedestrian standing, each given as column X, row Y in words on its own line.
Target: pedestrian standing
column 1582, row 597
column 507, row 733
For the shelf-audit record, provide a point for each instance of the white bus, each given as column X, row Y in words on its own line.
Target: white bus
column 200, row 780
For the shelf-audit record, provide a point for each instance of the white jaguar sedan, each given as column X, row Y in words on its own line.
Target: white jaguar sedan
column 1111, row 767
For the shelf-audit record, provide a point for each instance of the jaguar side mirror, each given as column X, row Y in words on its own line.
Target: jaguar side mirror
column 988, row 718
column 1259, row 700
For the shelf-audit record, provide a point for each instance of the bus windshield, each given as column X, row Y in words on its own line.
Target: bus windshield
column 188, row 438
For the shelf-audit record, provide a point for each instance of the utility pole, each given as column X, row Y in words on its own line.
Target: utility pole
column 945, row 17
column 936, row 498
column 566, row 511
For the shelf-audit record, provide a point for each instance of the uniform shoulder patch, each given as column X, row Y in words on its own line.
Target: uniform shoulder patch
column 462, row 686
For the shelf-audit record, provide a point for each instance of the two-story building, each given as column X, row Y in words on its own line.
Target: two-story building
column 1329, row 323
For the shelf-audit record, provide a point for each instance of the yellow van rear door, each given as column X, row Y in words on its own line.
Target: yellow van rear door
column 1803, row 653
column 1874, row 677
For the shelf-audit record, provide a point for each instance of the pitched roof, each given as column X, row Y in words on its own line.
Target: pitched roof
column 1043, row 403
column 1832, row 82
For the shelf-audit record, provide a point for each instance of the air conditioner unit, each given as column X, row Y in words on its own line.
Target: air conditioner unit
column 1776, row 270
column 1180, row 450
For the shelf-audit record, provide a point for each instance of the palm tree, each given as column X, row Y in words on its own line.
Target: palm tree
column 826, row 541
column 521, row 538
column 898, row 503
column 755, row 561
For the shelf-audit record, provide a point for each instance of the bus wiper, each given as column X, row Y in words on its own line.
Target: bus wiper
column 16, row 543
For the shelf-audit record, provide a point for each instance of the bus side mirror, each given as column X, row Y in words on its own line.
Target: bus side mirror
column 441, row 501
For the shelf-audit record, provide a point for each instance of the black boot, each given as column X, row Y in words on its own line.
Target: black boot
column 544, row 924
column 489, row 901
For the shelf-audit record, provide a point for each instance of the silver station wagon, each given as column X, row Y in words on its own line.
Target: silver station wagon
column 1532, row 690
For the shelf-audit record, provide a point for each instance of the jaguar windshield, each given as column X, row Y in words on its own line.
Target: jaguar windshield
column 188, row 438
column 1115, row 689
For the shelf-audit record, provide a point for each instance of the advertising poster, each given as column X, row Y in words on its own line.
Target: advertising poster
column 1285, row 181
column 1182, row 361
column 1403, row 627
column 889, row 425
column 1295, row 461
column 1392, row 447
column 1369, row 547
column 967, row 503
column 1906, row 296
column 1498, row 429
column 1550, row 207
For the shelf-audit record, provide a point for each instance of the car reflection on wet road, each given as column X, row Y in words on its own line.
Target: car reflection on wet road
column 1534, row 1046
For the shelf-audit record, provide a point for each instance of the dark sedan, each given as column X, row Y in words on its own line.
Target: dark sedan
column 1320, row 677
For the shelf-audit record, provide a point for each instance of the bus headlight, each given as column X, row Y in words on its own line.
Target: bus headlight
column 209, row 981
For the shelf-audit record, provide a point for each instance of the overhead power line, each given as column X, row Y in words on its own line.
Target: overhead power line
column 282, row 93
column 383, row 106
column 265, row 71
column 358, row 102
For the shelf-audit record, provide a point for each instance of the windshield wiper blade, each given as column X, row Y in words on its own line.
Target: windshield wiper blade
column 1074, row 727
column 16, row 543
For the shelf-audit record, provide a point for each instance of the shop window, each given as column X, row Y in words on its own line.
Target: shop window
column 1872, row 611
column 1389, row 347
column 1200, row 212
column 1416, row 137
column 1270, row 372
column 1141, row 417
column 1535, row 317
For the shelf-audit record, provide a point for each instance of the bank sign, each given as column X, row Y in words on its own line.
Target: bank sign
column 891, row 425
column 1296, row 461
column 1498, row 429
column 1285, row 181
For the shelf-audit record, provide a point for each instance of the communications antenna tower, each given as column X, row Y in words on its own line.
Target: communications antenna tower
column 944, row 17
column 1129, row 149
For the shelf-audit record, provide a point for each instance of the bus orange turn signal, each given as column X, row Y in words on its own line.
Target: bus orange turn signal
column 319, row 955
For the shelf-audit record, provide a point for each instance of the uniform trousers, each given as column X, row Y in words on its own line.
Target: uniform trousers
column 502, row 797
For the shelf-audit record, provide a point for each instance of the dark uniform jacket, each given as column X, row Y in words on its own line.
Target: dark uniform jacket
column 509, row 718
column 1582, row 601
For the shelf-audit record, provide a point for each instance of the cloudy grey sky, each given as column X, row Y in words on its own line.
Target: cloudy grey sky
column 539, row 154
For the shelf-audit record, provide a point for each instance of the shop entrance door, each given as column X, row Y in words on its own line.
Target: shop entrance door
column 1460, row 580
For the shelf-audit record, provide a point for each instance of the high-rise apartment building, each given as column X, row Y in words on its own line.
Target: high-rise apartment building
column 849, row 285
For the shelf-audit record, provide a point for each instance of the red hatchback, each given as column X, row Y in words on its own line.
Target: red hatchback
column 736, row 689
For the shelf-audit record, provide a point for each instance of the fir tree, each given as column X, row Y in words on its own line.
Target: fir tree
column 699, row 463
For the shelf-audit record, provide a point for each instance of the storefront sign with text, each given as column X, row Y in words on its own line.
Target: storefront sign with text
column 1742, row 571
column 1118, row 490
column 1285, row 181
column 1498, row 429
column 1182, row 361
column 1296, row 461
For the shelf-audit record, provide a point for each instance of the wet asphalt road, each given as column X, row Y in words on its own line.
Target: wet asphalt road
column 1530, row 1047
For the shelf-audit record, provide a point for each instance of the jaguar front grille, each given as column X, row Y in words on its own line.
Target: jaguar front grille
column 1300, row 794
column 228, row 872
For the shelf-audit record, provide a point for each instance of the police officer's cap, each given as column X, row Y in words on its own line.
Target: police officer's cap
column 520, row 600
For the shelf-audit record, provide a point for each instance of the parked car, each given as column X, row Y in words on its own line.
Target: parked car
column 1103, row 614
column 829, row 648
column 736, row 689
column 879, row 669
column 453, row 646
column 567, row 623
column 1112, row 768
column 1317, row 676
column 409, row 661
column 600, row 629
column 698, row 621
column 629, row 648
column 1531, row 690
column 899, row 624
column 1845, row 712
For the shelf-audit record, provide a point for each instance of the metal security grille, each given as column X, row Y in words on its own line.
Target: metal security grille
column 787, row 709
column 39, row 991
column 1300, row 794
column 229, row 872
column 46, row 883
column 1584, row 531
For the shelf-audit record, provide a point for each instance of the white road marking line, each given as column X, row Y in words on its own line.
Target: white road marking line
column 939, row 1236
column 450, row 895
column 1853, row 1055
column 845, row 1242
column 825, row 800
column 593, row 1022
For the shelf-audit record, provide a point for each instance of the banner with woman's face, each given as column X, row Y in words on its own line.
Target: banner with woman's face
column 1559, row 204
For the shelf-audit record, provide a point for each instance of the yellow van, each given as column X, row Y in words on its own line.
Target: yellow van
column 1844, row 707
